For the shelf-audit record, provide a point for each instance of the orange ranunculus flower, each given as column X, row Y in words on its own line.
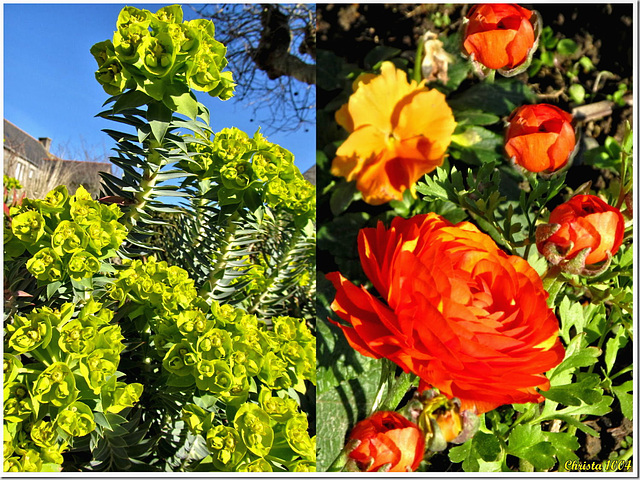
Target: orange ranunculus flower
column 501, row 36
column 458, row 312
column 387, row 438
column 583, row 224
column 540, row 137
column 398, row 131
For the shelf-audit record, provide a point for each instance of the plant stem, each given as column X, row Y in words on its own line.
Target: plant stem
column 623, row 170
column 222, row 260
column 275, row 274
column 147, row 182
column 417, row 66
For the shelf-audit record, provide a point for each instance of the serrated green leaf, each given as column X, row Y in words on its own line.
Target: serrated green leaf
column 564, row 444
column 625, row 398
column 571, row 421
column 585, row 390
column 480, row 453
column 528, row 442
column 600, row 408
column 487, row 446
column 463, row 453
column 613, row 346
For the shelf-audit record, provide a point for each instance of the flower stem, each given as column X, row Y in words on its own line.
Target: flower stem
column 417, row 66
column 623, row 169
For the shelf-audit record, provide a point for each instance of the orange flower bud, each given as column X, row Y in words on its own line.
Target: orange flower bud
column 584, row 222
column 387, row 440
column 501, row 37
column 450, row 424
column 540, row 137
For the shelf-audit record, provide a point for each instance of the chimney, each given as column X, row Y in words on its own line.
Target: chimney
column 46, row 142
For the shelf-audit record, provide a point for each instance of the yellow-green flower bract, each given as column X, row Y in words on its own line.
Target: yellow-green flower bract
column 154, row 52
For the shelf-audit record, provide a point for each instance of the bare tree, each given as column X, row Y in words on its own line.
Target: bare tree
column 271, row 50
column 83, row 163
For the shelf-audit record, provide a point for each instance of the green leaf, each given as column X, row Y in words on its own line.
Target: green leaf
column 577, row 93
column 547, row 39
column 613, row 346
column 582, row 358
column 159, row 118
column 499, row 98
column 380, row 53
column 571, row 315
column 53, row 288
column 528, row 443
column 534, row 68
column 480, row 453
column 487, row 446
column 586, row 391
column 347, row 383
column 476, row 117
column 329, row 70
column 342, row 196
column 184, row 103
column 130, row 99
column 182, row 382
column 625, row 398
column 567, row 47
column 597, row 409
column 547, row 58
column 572, row 421
column 478, row 142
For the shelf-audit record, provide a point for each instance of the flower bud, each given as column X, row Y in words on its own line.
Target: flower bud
column 501, row 37
column 387, row 441
column 583, row 231
column 540, row 137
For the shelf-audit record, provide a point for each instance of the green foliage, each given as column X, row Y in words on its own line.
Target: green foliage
column 56, row 363
column 218, row 356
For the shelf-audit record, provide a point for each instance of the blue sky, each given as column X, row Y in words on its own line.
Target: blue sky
column 50, row 89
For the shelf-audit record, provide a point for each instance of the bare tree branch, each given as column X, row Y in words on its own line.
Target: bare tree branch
column 271, row 50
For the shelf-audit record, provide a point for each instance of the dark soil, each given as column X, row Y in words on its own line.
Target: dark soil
column 603, row 33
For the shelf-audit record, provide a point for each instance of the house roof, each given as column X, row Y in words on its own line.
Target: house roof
column 24, row 145
column 310, row 174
